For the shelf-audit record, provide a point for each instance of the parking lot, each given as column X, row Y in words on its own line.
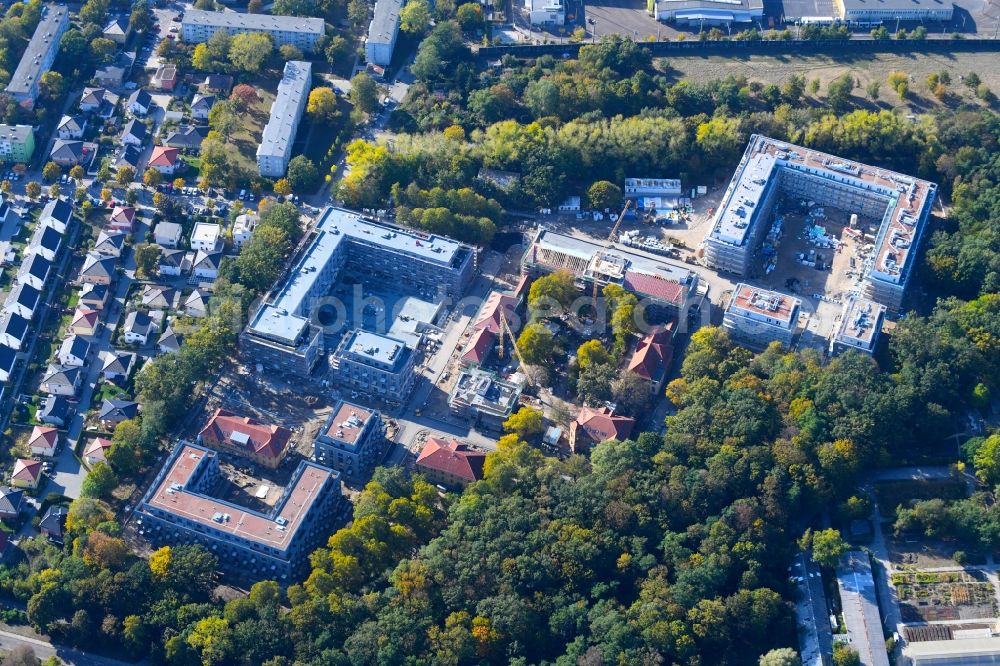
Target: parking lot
column 623, row 17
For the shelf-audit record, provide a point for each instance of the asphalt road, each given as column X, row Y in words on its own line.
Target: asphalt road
column 44, row 650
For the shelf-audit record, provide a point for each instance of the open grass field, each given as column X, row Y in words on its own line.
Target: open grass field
column 864, row 67
column 246, row 140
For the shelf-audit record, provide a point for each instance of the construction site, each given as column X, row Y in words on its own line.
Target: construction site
column 828, row 231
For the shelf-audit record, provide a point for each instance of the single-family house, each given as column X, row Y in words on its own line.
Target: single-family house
column 116, row 365
column 8, row 359
column 94, row 98
column 174, row 262
column 593, row 426
column 134, row 133
column 85, row 321
column 74, row 351
column 206, row 236
column 27, row 473
column 139, row 103
column 158, row 297
column 94, row 296
column 262, row 443
column 53, row 523
column 169, row 341
column 451, row 464
column 122, row 218
column 110, row 242
column 23, row 299
column 61, row 380
column 42, row 441
column 70, row 152
column 196, row 304
column 186, row 137
column 46, row 242
column 168, row 234
column 34, row 271
column 218, row 84
column 71, row 127
column 138, row 327
column 127, row 156
column 97, row 450
column 113, row 74
column 201, row 106
column 115, row 410
column 98, row 269
column 54, row 411
column 243, row 228
column 13, row 330
column 57, row 214
column 165, row 159
column 206, row 264
column 116, row 30
column 165, row 78
column 11, row 500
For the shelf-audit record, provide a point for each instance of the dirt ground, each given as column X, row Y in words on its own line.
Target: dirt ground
column 864, row 67
column 958, row 595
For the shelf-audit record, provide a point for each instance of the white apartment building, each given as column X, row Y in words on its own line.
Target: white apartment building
column 275, row 149
column 197, row 26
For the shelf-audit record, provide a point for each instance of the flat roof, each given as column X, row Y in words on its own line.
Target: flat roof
column 720, row 5
column 239, row 21
column 486, row 391
column 173, row 496
column 860, row 607
column 203, row 231
column 957, row 652
column 379, row 348
column 16, row 133
column 282, row 319
column 756, row 300
column 276, row 139
column 895, row 5
column 861, row 321
column 905, row 196
column 346, row 423
column 385, row 21
column 48, row 32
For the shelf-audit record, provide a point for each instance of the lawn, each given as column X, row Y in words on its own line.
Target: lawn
column 246, row 140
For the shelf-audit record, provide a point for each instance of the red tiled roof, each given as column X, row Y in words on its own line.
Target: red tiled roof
column 47, row 434
column 656, row 287
column 479, row 346
column 654, row 354
column 264, row 440
column 602, row 425
column 85, row 315
column 122, row 215
column 453, row 458
column 26, row 469
column 98, row 448
column 163, row 156
column 489, row 314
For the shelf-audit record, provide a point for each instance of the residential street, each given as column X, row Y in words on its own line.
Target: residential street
column 44, row 650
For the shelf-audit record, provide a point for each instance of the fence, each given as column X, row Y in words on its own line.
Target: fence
column 833, row 47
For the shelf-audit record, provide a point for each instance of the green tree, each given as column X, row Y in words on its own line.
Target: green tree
column 77, row 173
column 322, row 104
column 147, row 258
column 255, row 7
column 593, row 386
column 51, row 172
column 250, row 50
column 100, row 481
column 294, row 8
column 33, row 190
column 536, row 344
column 290, row 52
column 781, row 657
column 549, row 291
column 873, row 89
column 282, row 187
column 364, row 93
column 592, row 351
column 141, row 18
column 357, row 12
column 152, row 177
column 212, row 637
column 95, row 12
column 526, row 423
column 415, row 17
column 838, row 93
column 302, row 174
column 51, row 85
column 987, row 460
column 827, row 546
column 124, row 176
column 605, row 195
column 469, row 16
column 103, row 50
column 845, row 655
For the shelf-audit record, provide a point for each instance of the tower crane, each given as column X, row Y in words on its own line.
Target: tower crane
column 611, row 241
column 505, row 330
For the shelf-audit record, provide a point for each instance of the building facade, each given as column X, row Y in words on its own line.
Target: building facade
column 17, row 143
column 709, row 12
column 350, row 440
column 275, row 149
column 39, row 55
column 179, row 509
column 757, row 317
column 382, row 32
column 375, row 365
column 546, row 12
column 870, row 11
column 197, row 26
column 284, row 333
